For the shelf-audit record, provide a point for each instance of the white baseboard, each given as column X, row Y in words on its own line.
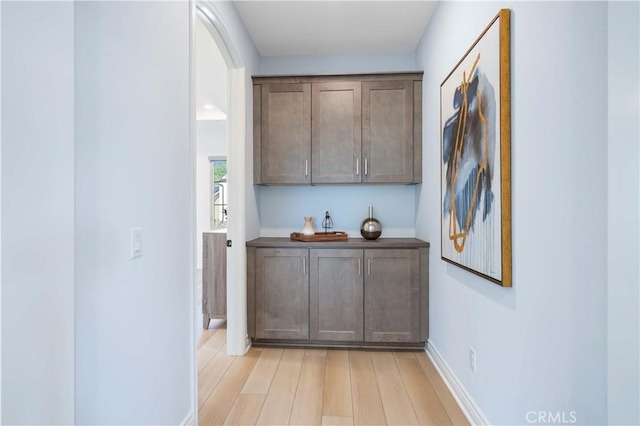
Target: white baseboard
column 467, row 404
column 189, row 420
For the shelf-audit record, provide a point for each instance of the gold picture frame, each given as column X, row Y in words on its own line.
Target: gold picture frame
column 475, row 161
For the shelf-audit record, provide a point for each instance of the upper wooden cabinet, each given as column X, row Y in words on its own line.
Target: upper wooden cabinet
column 388, row 141
column 336, row 132
column 285, row 139
column 338, row 129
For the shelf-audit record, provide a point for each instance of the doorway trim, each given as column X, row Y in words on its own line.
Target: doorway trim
column 237, row 339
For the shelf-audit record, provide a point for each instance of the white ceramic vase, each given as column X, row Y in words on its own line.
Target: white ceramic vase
column 307, row 229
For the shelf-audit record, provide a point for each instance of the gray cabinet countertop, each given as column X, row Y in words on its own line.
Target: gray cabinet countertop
column 361, row 243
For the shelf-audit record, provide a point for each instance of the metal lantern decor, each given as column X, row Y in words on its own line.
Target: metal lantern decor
column 371, row 228
column 327, row 223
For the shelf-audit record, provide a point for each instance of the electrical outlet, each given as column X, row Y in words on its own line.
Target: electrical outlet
column 136, row 242
column 472, row 359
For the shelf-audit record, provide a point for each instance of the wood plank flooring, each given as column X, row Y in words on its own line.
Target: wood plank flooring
column 280, row 386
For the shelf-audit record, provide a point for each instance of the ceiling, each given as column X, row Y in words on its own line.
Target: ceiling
column 328, row 27
column 309, row 27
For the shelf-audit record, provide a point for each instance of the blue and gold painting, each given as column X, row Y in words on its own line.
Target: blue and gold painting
column 471, row 175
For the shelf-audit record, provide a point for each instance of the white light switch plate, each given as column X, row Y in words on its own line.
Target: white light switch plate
column 136, row 242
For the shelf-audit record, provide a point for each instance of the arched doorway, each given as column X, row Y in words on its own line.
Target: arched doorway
column 236, row 264
column 237, row 342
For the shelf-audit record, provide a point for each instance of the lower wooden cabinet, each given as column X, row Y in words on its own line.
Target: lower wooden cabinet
column 336, row 299
column 282, row 294
column 214, row 277
column 353, row 295
column 392, row 294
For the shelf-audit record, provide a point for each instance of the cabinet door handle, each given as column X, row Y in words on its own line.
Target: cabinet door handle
column 357, row 167
column 359, row 267
column 369, row 267
column 306, row 167
column 366, row 169
column 304, row 266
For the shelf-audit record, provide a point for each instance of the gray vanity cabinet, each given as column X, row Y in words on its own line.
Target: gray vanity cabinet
column 338, row 293
column 281, row 293
column 364, row 295
column 336, row 296
column 392, row 295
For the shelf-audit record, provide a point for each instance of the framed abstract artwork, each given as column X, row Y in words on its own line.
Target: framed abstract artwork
column 475, row 169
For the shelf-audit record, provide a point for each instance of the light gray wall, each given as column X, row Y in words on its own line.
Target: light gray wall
column 133, row 350
column 541, row 345
column 623, row 213
column 337, row 64
column 134, row 328
column 282, row 208
column 211, row 140
column 0, row 212
column 37, row 213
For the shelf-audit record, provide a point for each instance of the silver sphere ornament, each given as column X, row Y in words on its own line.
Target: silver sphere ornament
column 371, row 228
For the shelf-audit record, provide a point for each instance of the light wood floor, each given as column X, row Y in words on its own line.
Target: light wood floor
column 280, row 386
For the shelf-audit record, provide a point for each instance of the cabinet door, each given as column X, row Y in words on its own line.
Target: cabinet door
column 387, row 131
column 336, row 132
column 391, row 292
column 286, row 133
column 336, row 295
column 282, row 294
column 214, row 276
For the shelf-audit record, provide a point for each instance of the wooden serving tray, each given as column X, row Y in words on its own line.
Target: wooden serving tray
column 320, row 236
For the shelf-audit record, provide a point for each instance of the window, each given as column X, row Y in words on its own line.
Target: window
column 219, row 195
